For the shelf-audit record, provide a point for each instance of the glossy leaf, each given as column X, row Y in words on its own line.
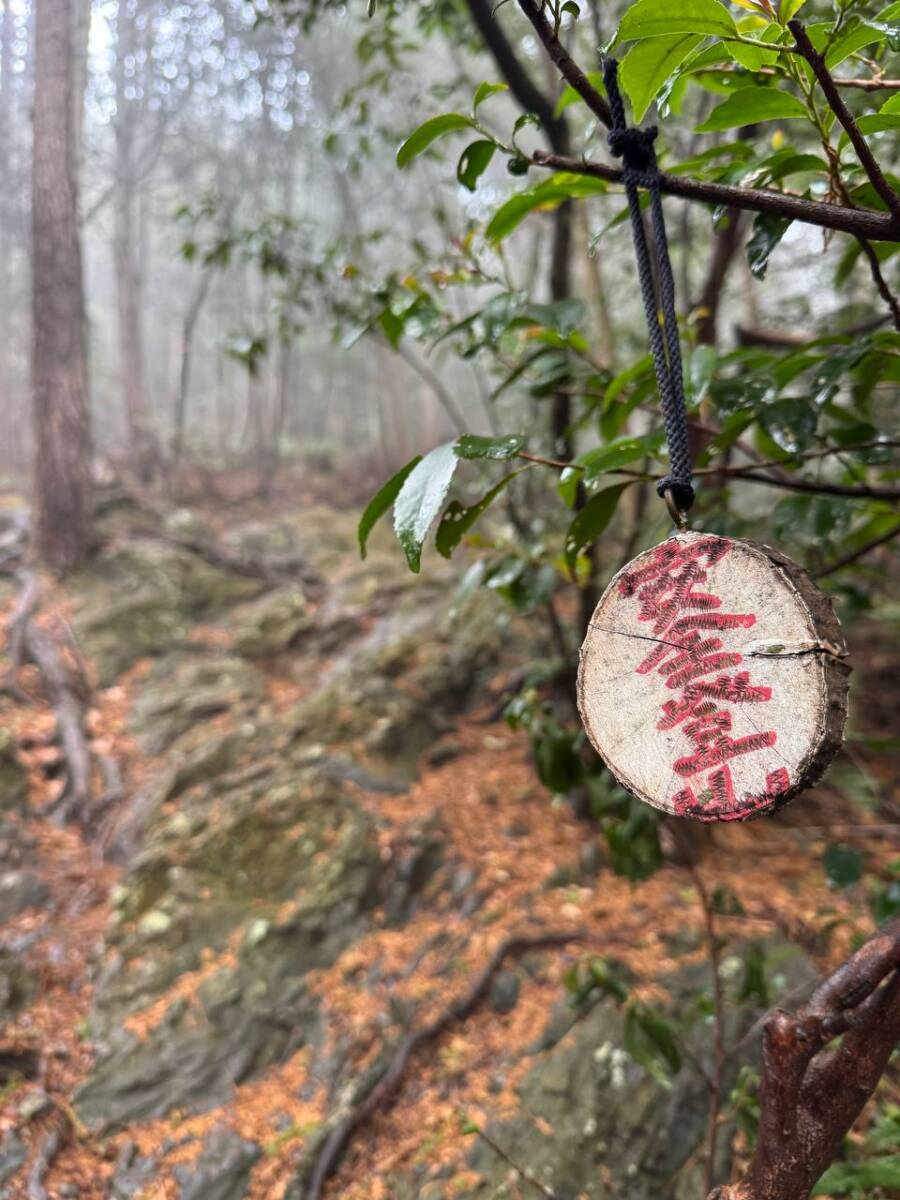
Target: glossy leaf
column 591, row 521
column 472, row 445
column 484, row 91
column 660, row 18
column 549, row 194
column 458, row 519
column 788, row 9
column 381, row 502
column 754, row 58
column 618, row 454
column 649, row 64
column 767, row 233
column 473, row 162
column 421, row 498
column 750, row 106
column 436, row 127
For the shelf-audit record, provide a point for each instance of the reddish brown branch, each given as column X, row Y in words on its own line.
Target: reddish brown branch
column 807, row 50
column 861, row 222
column 564, row 62
column 811, row 1092
column 748, row 474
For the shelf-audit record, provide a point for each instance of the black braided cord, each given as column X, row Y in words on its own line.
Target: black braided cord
column 635, row 148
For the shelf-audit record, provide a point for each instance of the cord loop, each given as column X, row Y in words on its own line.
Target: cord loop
column 635, row 148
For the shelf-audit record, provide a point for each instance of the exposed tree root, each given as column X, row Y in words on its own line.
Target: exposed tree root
column 14, row 542
column 49, row 1148
column 27, row 640
column 811, row 1091
column 382, row 1090
column 17, row 628
column 69, row 712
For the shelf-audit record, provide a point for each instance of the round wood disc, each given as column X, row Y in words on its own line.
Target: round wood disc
column 712, row 679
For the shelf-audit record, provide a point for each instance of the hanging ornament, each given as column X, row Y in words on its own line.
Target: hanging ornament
column 712, row 679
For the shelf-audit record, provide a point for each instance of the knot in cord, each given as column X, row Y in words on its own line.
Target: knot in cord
column 635, row 148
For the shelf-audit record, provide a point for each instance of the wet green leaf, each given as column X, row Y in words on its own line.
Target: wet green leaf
column 473, row 162
column 660, row 18
column 591, row 521
column 421, row 498
column 751, row 105
column 436, row 127
column 381, row 502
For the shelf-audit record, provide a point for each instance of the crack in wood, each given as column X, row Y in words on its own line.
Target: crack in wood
column 754, row 649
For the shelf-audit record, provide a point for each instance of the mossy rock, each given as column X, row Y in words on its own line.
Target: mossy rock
column 226, row 856
column 183, row 690
column 271, row 624
column 140, row 601
column 297, row 839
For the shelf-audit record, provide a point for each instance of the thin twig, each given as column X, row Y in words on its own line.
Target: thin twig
column 807, row 50
column 743, row 474
column 879, row 280
column 521, row 1172
column 874, row 84
column 847, row 559
column 861, row 222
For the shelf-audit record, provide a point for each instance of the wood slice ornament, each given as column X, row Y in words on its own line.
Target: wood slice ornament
column 712, row 679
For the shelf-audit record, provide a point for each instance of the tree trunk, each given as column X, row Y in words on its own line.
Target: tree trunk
column 7, row 116
column 61, row 416
column 188, row 327
column 126, row 252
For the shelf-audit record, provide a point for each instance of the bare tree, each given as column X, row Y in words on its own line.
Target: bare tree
column 61, row 415
column 127, row 241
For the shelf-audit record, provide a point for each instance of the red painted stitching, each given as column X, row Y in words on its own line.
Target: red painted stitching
column 664, row 588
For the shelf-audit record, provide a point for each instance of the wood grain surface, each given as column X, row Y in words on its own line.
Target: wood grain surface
column 713, row 680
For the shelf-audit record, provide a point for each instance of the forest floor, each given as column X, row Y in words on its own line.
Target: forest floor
column 480, row 852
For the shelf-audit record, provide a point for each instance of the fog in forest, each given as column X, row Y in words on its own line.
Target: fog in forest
column 449, row 562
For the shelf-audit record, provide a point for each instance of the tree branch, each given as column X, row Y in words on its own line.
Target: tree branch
column 811, row 1094
column 805, row 49
column 522, row 86
column 744, row 474
column 861, row 222
column 566, row 65
column 860, row 552
column 870, row 85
